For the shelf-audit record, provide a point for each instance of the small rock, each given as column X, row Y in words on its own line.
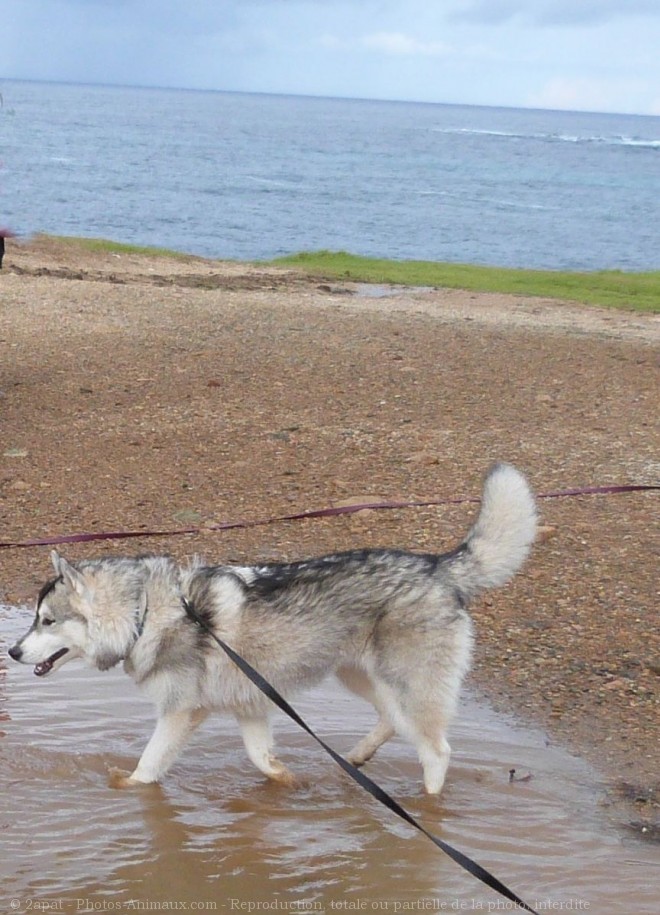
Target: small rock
column 427, row 458
column 616, row 684
column 545, row 532
column 187, row 516
column 350, row 501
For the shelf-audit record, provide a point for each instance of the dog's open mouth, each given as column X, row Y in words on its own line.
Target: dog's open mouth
column 45, row 667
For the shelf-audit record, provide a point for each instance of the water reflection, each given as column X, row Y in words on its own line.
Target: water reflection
column 215, row 834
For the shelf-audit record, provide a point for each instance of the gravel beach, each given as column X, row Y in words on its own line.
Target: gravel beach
column 148, row 393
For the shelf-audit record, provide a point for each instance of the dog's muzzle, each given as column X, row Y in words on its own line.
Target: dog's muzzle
column 43, row 667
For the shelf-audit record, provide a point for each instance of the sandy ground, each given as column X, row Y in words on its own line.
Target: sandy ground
column 141, row 393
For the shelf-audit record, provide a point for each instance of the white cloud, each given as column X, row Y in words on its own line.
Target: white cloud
column 586, row 94
column 566, row 93
column 398, row 43
column 552, row 12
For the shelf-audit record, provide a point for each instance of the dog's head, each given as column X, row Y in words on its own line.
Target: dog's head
column 75, row 619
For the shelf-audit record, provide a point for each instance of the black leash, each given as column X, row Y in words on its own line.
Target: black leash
column 356, row 774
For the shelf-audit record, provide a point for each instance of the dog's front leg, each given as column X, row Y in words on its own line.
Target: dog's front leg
column 258, row 740
column 171, row 733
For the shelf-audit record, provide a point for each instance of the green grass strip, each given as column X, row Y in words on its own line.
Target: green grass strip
column 611, row 288
column 105, row 245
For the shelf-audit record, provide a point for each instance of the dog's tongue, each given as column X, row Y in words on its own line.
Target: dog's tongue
column 43, row 668
column 46, row 666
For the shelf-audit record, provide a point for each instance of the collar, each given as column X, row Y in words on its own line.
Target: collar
column 139, row 622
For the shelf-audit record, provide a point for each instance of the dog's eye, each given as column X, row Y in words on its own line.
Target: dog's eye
column 48, row 622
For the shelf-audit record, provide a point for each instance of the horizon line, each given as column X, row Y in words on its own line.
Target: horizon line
column 319, row 96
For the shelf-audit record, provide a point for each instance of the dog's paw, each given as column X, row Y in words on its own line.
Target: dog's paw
column 280, row 775
column 118, row 778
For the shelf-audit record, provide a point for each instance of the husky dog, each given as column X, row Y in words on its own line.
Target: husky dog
column 391, row 625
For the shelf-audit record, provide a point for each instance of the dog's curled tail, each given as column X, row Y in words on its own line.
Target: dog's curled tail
column 501, row 537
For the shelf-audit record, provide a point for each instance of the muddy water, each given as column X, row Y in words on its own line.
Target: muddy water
column 214, row 836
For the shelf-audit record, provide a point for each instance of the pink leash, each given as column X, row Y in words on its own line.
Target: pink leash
column 302, row 516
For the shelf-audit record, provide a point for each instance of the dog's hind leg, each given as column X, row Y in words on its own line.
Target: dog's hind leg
column 424, row 724
column 358, row 682
column 426, row 728
column 171, row 733
column 434, row 756
column 365, row 749
column 258, row 740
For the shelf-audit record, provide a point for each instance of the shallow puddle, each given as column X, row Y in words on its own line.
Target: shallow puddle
column 385, row 290
column 214, row 836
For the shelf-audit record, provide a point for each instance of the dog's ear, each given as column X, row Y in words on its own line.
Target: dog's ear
column 72, row 578
column 55, row 558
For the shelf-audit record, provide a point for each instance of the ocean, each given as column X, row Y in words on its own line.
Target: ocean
column 242, row 176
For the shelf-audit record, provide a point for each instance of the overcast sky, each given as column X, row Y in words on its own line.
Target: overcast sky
column 598, row 55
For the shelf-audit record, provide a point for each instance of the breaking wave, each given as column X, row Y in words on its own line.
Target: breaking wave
column 640, row 142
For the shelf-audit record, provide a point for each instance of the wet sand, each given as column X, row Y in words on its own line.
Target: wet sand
column 147, row 393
